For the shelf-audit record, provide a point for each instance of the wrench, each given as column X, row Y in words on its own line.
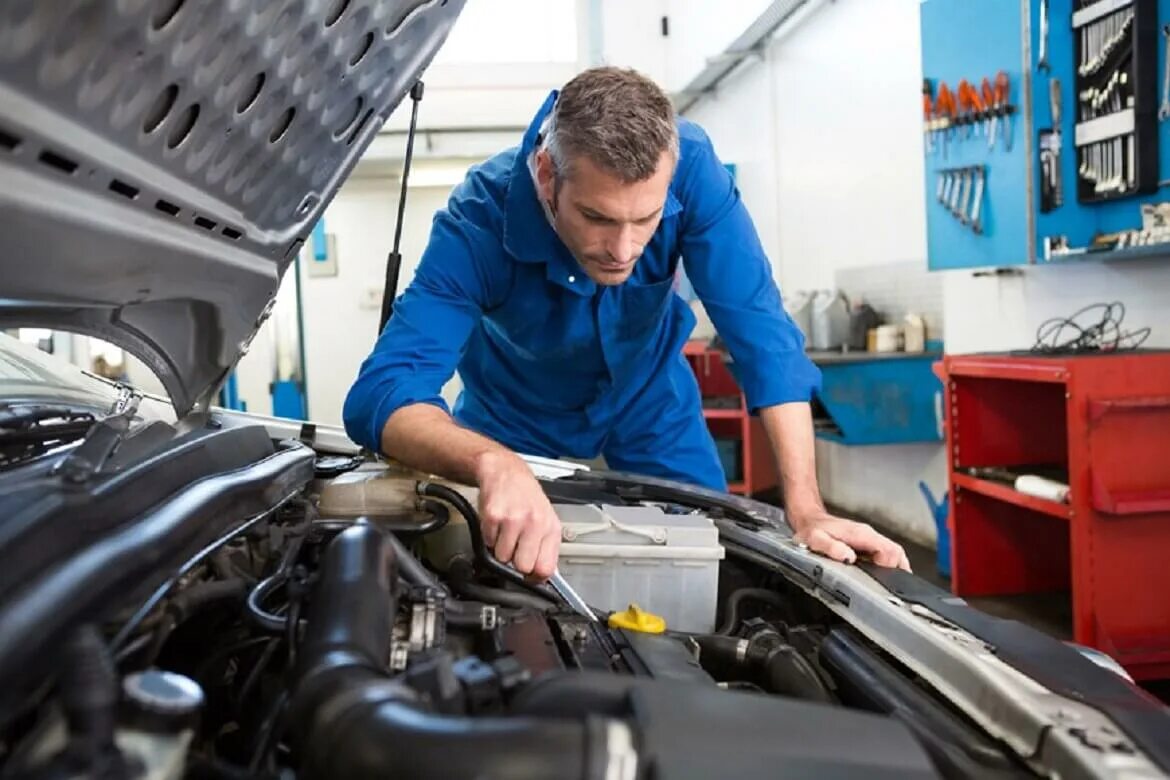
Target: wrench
column 956, row 193
column 1164, row 111
column 574, row 600
column 966, row 201
column 976, row 223
column 1043, row 63
column 1130, row 172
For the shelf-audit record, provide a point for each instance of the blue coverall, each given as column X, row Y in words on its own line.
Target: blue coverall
column 555, row 365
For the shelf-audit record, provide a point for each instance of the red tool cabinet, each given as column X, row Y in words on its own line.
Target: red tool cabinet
column 757, row 465
column 1106, row 420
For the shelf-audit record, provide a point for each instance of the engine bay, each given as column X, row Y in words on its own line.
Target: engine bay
column 361, row 631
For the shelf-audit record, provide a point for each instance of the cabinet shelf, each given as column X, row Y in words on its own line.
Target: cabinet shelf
column 1102, row 419
column 1011, row 495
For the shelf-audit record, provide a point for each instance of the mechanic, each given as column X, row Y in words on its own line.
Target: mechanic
column 548, row 282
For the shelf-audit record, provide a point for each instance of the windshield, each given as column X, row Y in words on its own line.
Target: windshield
column 28, row 374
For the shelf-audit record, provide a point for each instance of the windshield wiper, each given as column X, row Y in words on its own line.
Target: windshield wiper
column 102, row 439
column 30, row 430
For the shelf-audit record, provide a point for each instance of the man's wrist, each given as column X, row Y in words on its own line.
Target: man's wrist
column 491, row 460
column 801, row 512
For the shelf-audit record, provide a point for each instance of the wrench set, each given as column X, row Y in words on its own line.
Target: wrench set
column 1115, row 54
column 960, row 191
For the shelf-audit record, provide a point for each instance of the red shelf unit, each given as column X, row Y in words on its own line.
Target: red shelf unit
column 1104, row 418
column 758, row 470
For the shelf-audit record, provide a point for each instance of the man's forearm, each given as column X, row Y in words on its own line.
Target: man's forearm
column 790, row 430
column 424, row 437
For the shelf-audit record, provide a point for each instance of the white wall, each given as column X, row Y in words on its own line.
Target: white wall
column 825, row 131
column 341, row 312
column 1002, row 313
column 828, row 137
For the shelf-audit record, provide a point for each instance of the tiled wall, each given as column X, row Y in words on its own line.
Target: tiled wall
column 895, row 290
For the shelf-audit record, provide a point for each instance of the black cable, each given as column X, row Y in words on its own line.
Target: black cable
column 268, row 730
column 254, row 676
column 1076, row 334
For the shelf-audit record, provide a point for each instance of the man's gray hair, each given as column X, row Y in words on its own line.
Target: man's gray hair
column 619, row 119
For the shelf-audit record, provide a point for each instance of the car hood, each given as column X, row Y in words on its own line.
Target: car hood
column 164, row 161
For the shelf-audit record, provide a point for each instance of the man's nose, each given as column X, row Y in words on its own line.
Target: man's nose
column 622, row 246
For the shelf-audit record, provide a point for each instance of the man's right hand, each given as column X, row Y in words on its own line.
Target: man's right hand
column 518, row 522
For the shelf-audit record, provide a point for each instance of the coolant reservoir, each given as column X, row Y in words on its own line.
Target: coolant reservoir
column 384, row 493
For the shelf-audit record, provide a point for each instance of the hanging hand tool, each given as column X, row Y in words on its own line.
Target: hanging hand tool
column 945, row 109
column 928, row 114
column 1043, row 63
column 1003, row 105
column 976, row 111
column 992, row 121
column 977, row 206
column 1054, row 187
column 966, row 106
column 1164, row 111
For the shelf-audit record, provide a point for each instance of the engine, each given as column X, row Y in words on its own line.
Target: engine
column 327, row 643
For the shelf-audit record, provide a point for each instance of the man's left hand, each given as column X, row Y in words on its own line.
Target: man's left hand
column 843, row 540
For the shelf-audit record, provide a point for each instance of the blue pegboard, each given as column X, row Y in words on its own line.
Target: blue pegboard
column 973, row 39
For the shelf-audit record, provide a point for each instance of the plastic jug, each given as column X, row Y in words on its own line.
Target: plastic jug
column 799, row 308
column 830, row 320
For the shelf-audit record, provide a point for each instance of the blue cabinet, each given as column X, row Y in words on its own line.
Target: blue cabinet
column 973, row 39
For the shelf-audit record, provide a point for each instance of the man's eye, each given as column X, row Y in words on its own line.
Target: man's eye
column 598, row 219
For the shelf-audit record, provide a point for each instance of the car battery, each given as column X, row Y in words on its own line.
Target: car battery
column 666, row 563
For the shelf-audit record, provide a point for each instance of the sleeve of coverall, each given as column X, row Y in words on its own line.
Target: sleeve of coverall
column 731, row 275
column 420, row 348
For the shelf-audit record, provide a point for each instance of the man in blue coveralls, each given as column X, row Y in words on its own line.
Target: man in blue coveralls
column 548, row 283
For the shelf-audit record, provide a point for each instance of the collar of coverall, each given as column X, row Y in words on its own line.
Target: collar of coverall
column 528, row 232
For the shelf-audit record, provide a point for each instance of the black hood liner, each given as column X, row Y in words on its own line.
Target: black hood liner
column 164, row 161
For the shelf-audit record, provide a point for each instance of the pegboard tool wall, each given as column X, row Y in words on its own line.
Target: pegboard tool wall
column 1081, row 221
column 969, row 40
column 965, row 39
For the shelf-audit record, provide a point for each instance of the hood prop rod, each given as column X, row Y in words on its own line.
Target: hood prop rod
column 394, row 259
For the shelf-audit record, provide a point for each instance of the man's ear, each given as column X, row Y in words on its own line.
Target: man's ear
column 546, row 176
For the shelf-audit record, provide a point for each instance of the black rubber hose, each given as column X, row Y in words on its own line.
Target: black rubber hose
column 778, row 667
column 350, row 720
column 484, row 560
column 870, row 682
column 261, row 617
column 203, row 594
column 411, row 568
column 463, row 583
column 89, row 696
column 736, row 600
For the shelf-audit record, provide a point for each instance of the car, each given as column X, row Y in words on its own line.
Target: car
column 192, row 591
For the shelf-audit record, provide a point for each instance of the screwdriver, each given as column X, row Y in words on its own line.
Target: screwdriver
column 992, row 118
column 976, row 103
column 1003, row 106
column 944, row 108
column 966, row 106
column 928, row 113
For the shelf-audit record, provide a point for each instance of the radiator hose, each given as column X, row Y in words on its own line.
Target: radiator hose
column 349, row 719
column 777, row 666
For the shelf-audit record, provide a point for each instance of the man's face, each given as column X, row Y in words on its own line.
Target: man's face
column 605, row 222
